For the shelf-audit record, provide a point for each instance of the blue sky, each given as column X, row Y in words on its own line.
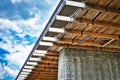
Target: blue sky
column 21, row 23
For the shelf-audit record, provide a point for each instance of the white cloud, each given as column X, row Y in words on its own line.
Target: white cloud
column 16, row 1
column 30, row 26
column 2, row 72
column 18, row 58
column 10, row 71
column 8, row 24
column 18, row 52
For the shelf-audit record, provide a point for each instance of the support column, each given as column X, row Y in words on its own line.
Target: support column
column 76, row 64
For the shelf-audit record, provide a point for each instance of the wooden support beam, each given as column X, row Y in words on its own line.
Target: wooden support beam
column 37, row 69
column 43, row 77
column 48, row 56
column 90, row 6
column 48, row 62
column 100, row 23
column 93, row 34
column 46, row 66
column 38, row 72
column 87, row 47
column 108, row 42
column 53, row 53
column 76, row 41
column 44, row 73
column 47, row 70
column 50, row 65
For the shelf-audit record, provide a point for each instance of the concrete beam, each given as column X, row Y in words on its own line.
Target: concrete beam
column 32, row 63
column 57, row 30
column 34, row 59
column 40, row 51
column 65, row 18
column 46, row 38
column 29, row 67
column 25, row 73
column 38, row 54
column 27, row 70
column 46, row 43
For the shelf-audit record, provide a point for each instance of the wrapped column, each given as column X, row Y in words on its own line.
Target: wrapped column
column 76, row 64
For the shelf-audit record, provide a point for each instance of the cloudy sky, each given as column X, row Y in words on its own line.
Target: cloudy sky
column 21, row 22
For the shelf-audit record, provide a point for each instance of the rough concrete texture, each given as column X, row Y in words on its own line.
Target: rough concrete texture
column 76, row 64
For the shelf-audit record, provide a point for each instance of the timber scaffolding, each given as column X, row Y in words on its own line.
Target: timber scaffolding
column 79, row 24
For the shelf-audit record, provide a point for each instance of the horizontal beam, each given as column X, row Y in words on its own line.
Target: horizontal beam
column 50, row 58
column 47, row 73
column 46, row 38
column 26, row 70
column 87, row 47
column 35, row 59
column 47, row 68
column 38, row 72
column 53, row 53
column 41, row 51
column 65, row 18
column 21, row 78
column 100, row 23
column 85, row 5
column 29, row 67
column 25, row 73
column 46, row 43
column 58, row 30
column 50, row 65
column 93, row 34
column 38, row 54
column 108, row 42
column 42, row 74
column 43, row 77
column 32, row 63
column 76, row 41
column 43, row 62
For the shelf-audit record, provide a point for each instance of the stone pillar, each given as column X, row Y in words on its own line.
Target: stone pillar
column 76, row 64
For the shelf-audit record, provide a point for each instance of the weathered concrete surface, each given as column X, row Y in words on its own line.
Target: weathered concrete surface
column 77, row 64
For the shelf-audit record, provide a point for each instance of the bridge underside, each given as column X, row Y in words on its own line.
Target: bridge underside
column 82, row 38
